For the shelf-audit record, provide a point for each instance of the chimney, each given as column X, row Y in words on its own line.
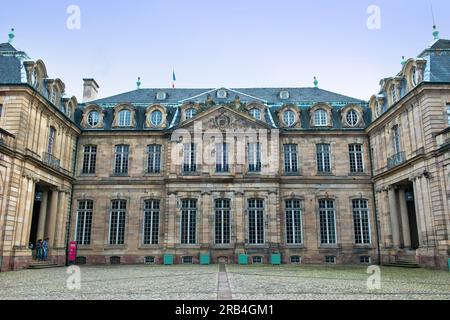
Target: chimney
column 90, row 90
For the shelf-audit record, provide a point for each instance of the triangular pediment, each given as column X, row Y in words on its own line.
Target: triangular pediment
column 224, row 118
column 222, row 95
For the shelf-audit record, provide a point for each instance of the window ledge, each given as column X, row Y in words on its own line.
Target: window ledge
column 120, row 176
column 115, row 247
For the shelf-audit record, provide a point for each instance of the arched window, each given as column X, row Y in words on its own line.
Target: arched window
column 255, row 113
column 320, row 118
column 414, row 76
column 352, row 118
column 51, row 140
column 93, row 118
column 124, row 118
column 289, row 118
column 156, row 118
column 190, row 113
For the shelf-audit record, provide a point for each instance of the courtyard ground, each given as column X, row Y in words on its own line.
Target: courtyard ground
column 196, row 282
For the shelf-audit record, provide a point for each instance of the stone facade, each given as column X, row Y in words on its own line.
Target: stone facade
column 312, row 175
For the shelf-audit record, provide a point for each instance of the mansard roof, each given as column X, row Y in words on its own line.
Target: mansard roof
column 247, row 95
column 10, row 72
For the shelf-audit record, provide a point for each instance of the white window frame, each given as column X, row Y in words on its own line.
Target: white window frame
column 124, row 119
column 222, row 158
column 255, row 113
column 154, row 208
column 289, row 118
column 254, row 157
column 292, row 229
column 190, row 156
column 356, row 158
column 192, row 208
column 121, row 154
column 362, row 214
column 156, row 118
column 118, row 228
column 352, row 118
column 86, row 224
column 256, row 210
column 89, row 159
column 291, row 159
column 324, row 213
column 154, row 156
column 320, row 118
column 222, row 210
column 322, row 160
column 93, row 118
column 190, row 113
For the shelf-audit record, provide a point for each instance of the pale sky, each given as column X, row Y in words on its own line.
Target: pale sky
column 235, row 43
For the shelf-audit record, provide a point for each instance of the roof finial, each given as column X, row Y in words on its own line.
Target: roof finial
column 435, row 33
column 11, row 36
column 316, row 83
column 403, row 60
column 138, row 83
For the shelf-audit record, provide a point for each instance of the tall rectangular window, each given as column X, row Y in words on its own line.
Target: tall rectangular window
column 323, row 158
column 121, row 159
column 151, row 222
column 153, row 158
column 254, row 157
column 256, row 221
column 293, row 221
column 397, row 147
column 327, row 217
column 290, row 158
column 361, row 221
column 222, row 221
column 51, row 140
column 1, row 111
column 89, row 159
column 84, row 222
column 448, row 114
column 356, row 158
column 188, row 224
column 117, row 222
column 190, row 164
column 222, row 157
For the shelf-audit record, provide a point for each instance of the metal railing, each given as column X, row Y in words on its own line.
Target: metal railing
column 396, row 160
column 51, row 161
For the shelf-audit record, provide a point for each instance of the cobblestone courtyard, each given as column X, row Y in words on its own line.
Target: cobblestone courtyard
column 241, row 282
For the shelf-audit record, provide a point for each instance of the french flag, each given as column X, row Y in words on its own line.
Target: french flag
column 174, row 79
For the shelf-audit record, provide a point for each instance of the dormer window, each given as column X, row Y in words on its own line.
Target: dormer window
column 289, row 118
column 190, row 113
column 161, row 95
column 255, row 113
column 156, row 118
column 35, row 78
column 284, row 95
column 221, row 94
column 414, row 76
column 352, row 118
column 53, row 96
column 93, row 118
column 394, row 94
column 124, row 118
column 320, row 118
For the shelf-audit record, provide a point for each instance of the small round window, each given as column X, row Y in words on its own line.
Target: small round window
column 352, row 118
column 156, row 118
column 289, row 118
column 93, row 118
column 256, row 113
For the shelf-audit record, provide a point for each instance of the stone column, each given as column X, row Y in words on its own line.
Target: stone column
column 61, row 220
column 205, row 226
column 394, row 217
column 405, row 219
column 418, row 203
column 29, row 207
column 21, row 212
column 239, row 220
column 274, row 220
column 53, row 214
column 171, row 220
column 42, row 215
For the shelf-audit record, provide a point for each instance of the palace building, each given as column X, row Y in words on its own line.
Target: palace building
column 314, row 176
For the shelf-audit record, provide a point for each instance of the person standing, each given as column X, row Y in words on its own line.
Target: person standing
column 45, row 249
column 39, row 250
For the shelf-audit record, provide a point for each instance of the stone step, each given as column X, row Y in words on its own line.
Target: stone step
column 42, row 265
column 403, row 265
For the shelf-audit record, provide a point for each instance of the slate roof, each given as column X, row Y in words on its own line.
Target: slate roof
column 10, row 70
column 268, row 95
column 7, row 47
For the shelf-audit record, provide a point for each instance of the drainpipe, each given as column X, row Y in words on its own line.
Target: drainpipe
column 375, row 204
column 68, row 227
